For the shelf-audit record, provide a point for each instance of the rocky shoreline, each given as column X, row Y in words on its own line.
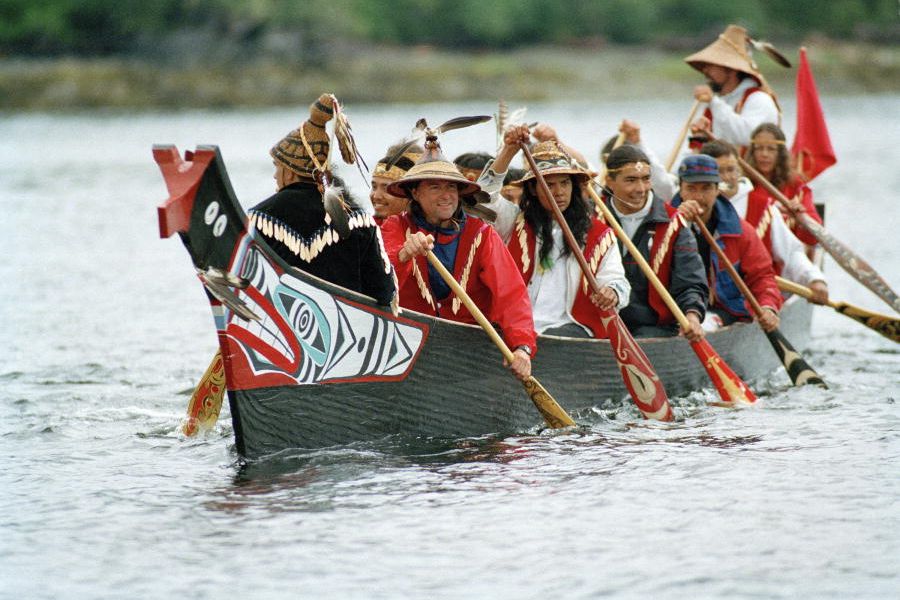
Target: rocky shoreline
column 419, row 74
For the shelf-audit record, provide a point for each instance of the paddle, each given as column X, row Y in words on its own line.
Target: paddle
column 731, row 388
column 678, row 143
column 797, row 368
column 553, row 413
column 206, row 401
column 640, row 378
column 844, row 256
column 886, row 325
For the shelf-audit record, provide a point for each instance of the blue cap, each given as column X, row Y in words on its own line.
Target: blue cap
column 699, row 168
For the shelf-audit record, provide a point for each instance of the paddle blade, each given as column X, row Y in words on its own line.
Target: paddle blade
column 797, row 368
column 887, row 326
column 206, row 401
column 731, row 388
column 554, row 414
column 640, row 378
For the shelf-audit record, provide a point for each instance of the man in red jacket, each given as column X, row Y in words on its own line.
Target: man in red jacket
column 699, row 196
column 468, row 247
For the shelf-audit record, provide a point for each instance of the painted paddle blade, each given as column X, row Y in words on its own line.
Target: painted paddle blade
column 887, row 326
column 731, row 388
column 797, row 368
column 851, row 262
column 554, row 414
column 640, row 378
column 206, row 401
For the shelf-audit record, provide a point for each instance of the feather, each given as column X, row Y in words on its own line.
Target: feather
column 218, row 283
column 337, row 209
column 393, row 158
column 771, row 51
column 460, row 122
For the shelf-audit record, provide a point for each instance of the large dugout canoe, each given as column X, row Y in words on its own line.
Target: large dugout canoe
column 326, row 366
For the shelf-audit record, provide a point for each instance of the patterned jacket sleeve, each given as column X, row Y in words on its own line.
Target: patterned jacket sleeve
column 376, row 271
column 510, row 304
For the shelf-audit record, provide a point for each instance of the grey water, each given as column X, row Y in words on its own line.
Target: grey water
column 107, row 331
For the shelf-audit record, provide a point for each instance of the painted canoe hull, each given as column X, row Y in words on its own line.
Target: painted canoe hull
column 327, row 366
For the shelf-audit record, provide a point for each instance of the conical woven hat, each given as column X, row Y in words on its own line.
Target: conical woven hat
column 551, row 160
column 433, row 165
column 400, row 167
column 294, row 154
column 730, row 50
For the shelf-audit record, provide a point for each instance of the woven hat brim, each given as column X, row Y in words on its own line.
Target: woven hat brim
column 721, row 54
column 529, row 175
column 432, row 170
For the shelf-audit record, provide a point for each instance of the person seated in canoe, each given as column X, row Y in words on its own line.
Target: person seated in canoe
column 668, row 246
column 663, row 183
column 295, row 224
column 737, row 96
column 788, row 253
column 563, row 304
column 387, row 171
column 769, row 155
column 699, row 197
column 441, row 219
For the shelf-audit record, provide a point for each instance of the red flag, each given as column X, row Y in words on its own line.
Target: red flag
column 812, row 149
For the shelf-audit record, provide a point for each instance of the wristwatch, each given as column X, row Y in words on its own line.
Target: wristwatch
column 525, row 349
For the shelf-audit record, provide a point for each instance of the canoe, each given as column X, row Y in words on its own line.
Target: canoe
column 323, row 365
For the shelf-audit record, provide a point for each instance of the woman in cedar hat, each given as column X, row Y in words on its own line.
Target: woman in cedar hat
column 339, row 243
column 563, row 304
column 387, row 171
column 440, row 219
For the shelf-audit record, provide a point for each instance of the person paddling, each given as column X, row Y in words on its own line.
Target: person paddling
column 668, row 246
column 788, row 253
column 699, row 197
column 563, row 304
column 737, row 95
column 468, row 247
column 769, row 155
column 295, row 224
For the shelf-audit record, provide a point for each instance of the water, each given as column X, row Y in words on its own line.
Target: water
column 108, row 330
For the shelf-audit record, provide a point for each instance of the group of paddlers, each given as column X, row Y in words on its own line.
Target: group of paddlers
column 493, row 227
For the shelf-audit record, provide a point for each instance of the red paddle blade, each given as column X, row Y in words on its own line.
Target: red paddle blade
column 731, row 388
column 640, row 378
column 206, row 401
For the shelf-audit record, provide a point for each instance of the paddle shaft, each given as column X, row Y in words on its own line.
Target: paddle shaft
column 729, row 385
column 644, row 385
column 854, row 264
column 687, row 124
column 797, row 368
column 553, row 413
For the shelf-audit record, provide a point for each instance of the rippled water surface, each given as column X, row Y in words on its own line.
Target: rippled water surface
column 108, row 330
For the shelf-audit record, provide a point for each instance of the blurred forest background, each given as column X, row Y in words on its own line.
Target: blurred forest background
column 221, row 53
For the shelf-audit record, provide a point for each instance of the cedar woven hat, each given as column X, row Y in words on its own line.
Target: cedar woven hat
column 551, row 160
column 400, row 166
column 433, row 165
column 305, row 149
column 699, row 168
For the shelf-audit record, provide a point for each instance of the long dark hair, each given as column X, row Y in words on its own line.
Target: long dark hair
column 577, row 216
column 781, row 174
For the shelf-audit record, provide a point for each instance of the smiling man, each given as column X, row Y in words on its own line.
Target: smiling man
column 668, row 246
column 737, row 95
column 699, row 197
column 437, row 220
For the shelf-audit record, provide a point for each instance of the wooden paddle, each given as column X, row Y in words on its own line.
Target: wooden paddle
column 553, row 413
column 731, row 388
column 206, row 401
column 640, row 378
column 678, row 143
column 844, row 256
column 886, row 325
column 797, row 368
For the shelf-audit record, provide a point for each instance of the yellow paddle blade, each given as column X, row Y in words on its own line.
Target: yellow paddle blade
column 206, row 401
column 554, row 414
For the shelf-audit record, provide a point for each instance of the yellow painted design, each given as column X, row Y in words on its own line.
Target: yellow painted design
column 736, row 394
column 523, row 241
column 764, row 222
column 206, row 401
column 674, row 225
column 420, row 281
column 464, row 279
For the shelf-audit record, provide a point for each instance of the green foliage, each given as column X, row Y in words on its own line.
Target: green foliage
column 122, row 27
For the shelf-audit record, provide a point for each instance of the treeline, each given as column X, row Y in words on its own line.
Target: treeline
column 302, row 29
